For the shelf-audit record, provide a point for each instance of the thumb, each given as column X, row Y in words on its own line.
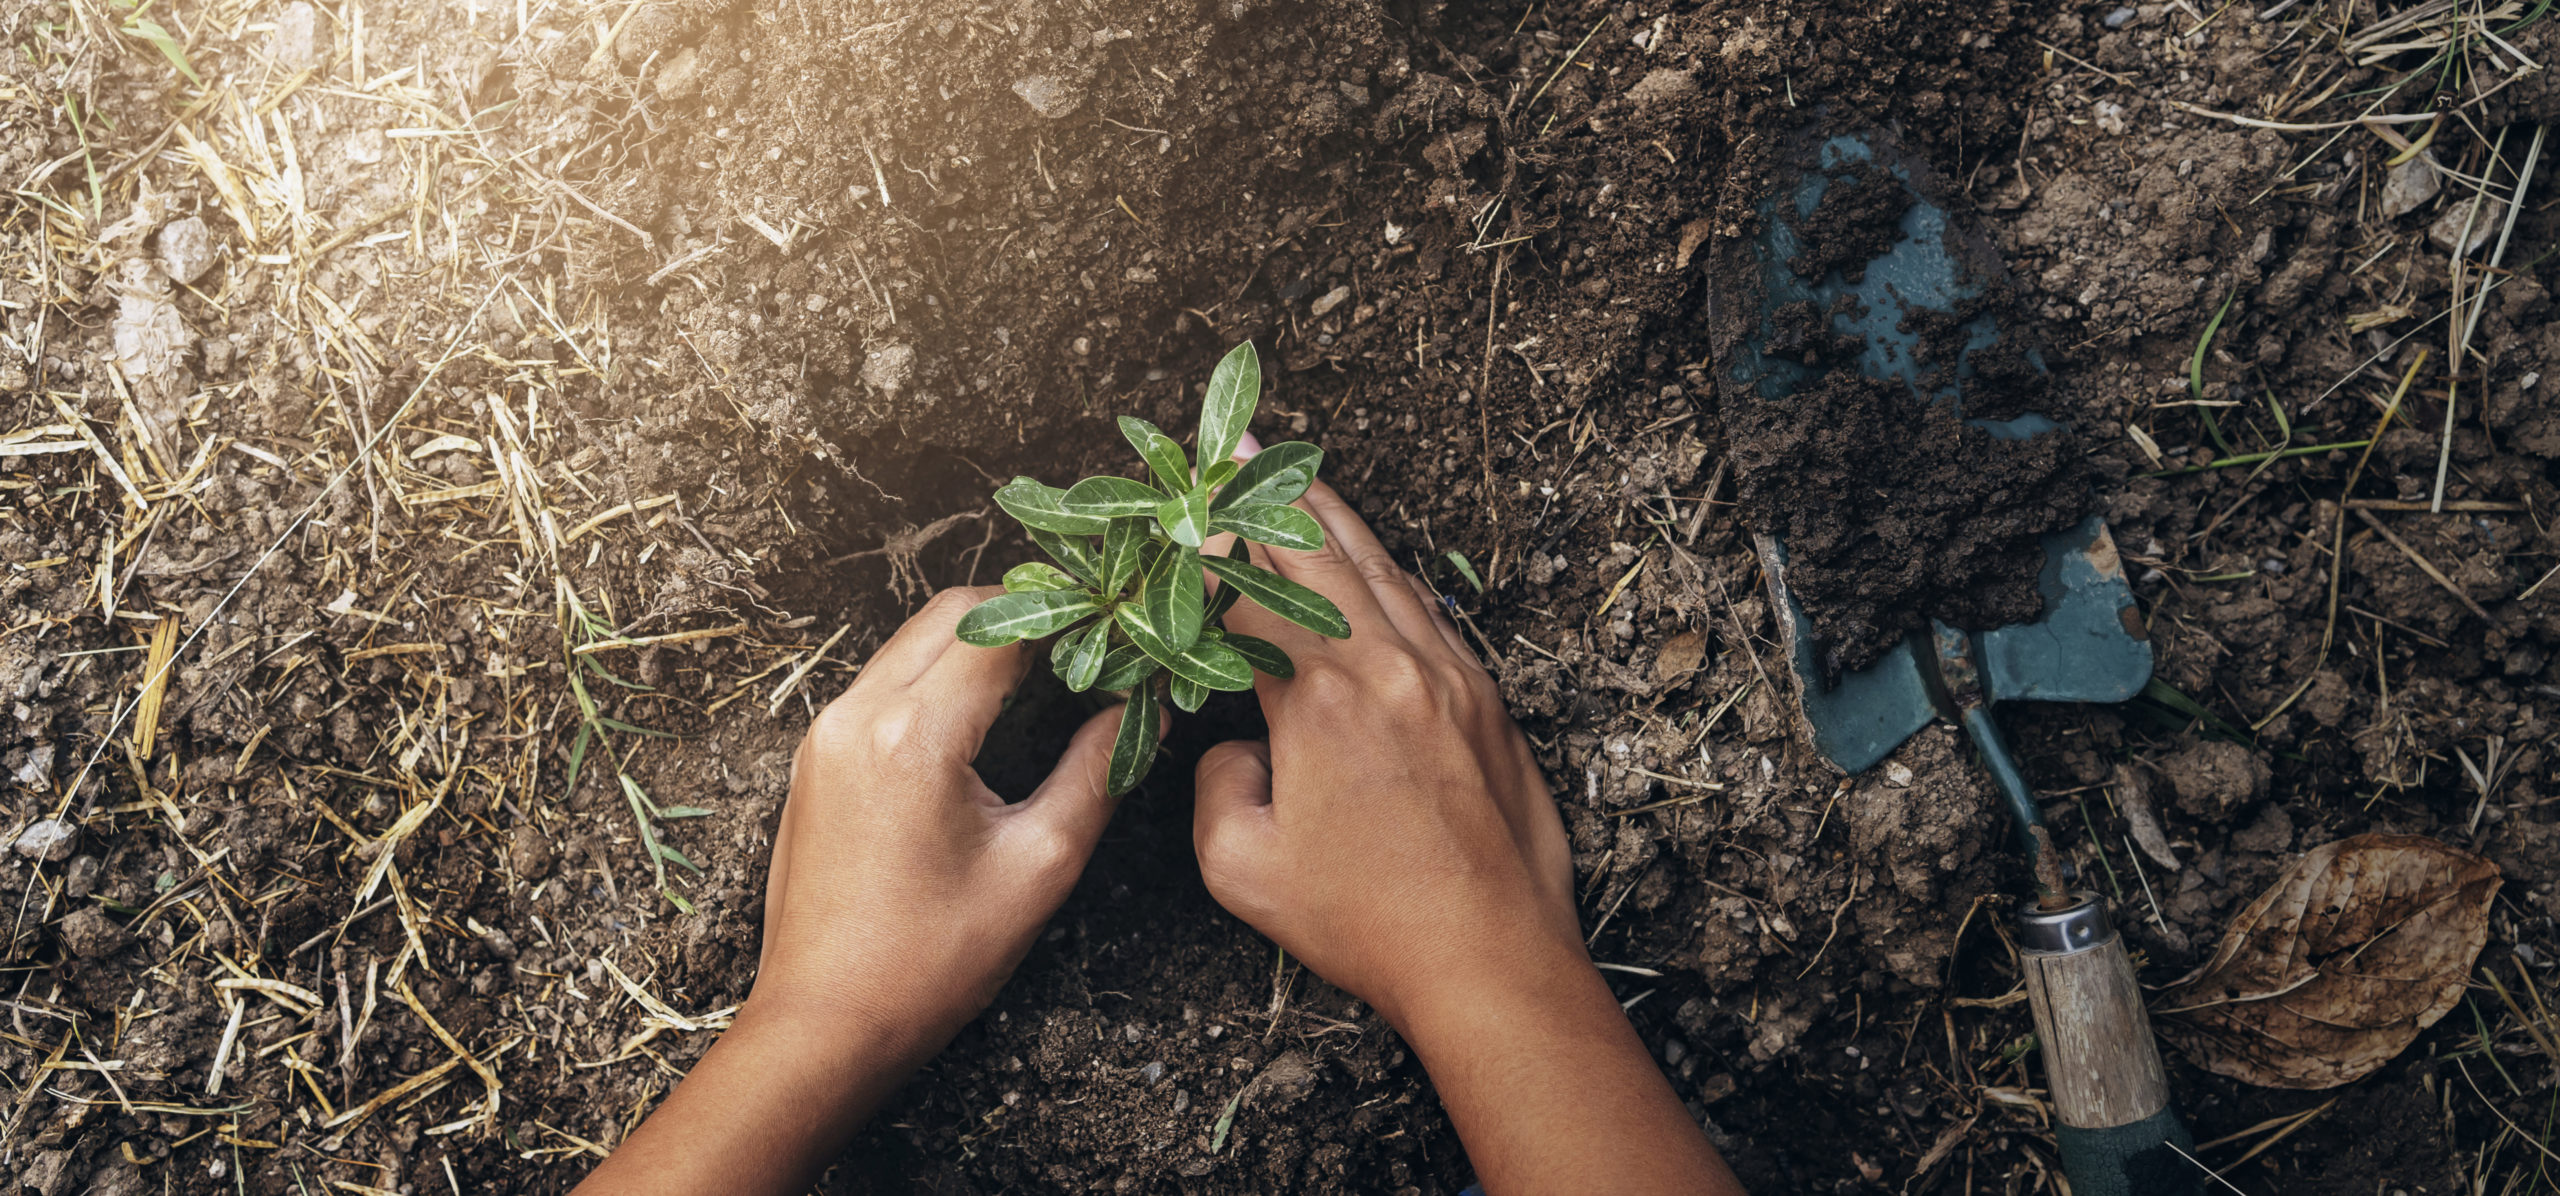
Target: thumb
column 1232, row 807
column 1075, row 802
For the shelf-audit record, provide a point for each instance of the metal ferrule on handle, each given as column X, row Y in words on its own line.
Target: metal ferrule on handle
column 2112, row 1117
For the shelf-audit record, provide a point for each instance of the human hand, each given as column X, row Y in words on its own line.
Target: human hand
column 1397, row 836
column 902, row 893
column 1414, row 844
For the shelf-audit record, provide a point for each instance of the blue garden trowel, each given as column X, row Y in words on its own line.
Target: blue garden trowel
column 2115, row 1127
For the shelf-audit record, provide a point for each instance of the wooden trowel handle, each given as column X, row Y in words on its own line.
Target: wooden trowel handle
column 2118, row 1134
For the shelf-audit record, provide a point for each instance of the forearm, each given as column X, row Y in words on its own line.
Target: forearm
column 1551, row 1089
column 765, row 1110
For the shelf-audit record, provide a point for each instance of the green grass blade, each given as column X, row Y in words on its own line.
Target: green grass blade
column 2195, row 372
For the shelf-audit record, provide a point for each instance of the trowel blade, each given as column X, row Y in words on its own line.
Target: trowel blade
column 2088, row 646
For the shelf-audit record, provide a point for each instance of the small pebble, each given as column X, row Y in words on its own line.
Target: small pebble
column 2116, row 19
column 186, row 249
column 47, row 839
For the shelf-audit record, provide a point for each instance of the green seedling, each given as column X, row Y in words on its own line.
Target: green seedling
column 1125, row 595
column 138, row 24
column 597, row 729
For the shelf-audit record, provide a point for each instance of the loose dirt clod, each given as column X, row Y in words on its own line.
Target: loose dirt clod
column 1895, row 512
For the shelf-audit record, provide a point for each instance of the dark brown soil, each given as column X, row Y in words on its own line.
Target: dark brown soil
column 1473, row 245
column 1858, row 219
column 1895, row 512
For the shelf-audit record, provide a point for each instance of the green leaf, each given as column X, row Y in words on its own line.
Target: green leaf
column 1220, row 473
column 1126, row 667
column 1079, row 655
column 1063, row 648
column 578, row 755
column 640, row 799
column 1074, row 553
column 170, row 47
column 1186, row 517
column 1466, row 569
column 1032, row 576
column 1006, row 618
column 589, row 662
column 1277, row 474
column 671, row 855
column 1044, row 508
column 1174, row 600
column 1112, row 498
column 1212, row 663
column 1133, row 750
column 627, row 729
column 1271, row 523
column 1163, row 455
column 1132, row 620
column 1262, row 654
column 1227, row 595
column 1187, row 694
column 1120, row 553
column 1282, row 597
column 683, row 812
column 1235, row 389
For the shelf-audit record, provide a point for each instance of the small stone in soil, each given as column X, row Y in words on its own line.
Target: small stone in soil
column 89, row 933
column 47, row 839
column 186, row 249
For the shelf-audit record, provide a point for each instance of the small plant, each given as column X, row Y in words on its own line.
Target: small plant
column 1126, row 588
column 583, row 631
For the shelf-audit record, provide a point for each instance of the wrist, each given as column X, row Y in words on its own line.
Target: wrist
column 838, row 1037
column 1493, row 996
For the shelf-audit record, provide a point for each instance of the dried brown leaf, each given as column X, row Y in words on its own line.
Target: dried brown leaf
column 2357, row 947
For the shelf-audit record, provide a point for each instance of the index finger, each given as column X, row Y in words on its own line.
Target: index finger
column 926, row 637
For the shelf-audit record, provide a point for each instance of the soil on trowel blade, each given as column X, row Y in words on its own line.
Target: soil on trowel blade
column 1859, row 218
column 1895, row 512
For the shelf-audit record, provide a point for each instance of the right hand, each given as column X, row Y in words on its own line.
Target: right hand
column 1414, row 848
column 1397, row 837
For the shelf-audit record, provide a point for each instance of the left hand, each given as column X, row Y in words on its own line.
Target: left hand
column 903, row 890
column 902, row 893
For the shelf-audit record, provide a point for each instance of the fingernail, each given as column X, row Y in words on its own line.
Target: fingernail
column 1247, row 447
